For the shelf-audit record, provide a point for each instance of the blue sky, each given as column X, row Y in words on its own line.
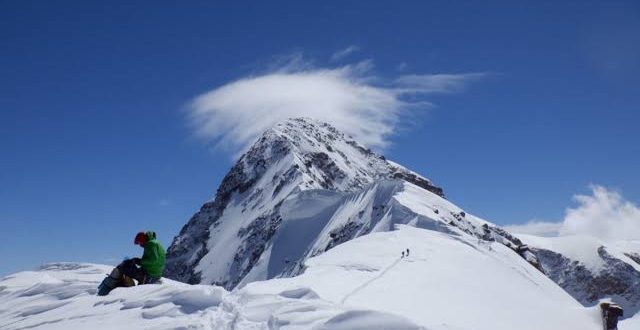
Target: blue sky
column 95, row 143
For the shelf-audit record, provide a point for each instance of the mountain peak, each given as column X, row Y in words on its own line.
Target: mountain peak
column 227, row 237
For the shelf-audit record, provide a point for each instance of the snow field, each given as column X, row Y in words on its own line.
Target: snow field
column 446, row 283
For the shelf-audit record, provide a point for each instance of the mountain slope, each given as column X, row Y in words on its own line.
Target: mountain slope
column 221, row 243
column 304, row 188
column 446, row 282
column 300, row 190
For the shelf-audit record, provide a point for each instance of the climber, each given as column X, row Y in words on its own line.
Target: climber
column 145, row 270
column 152, row 261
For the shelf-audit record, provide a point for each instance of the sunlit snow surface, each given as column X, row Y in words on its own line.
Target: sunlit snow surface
column 446, row 282
column 449, row 280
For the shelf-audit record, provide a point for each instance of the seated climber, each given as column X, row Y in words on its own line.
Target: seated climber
column 151, row 265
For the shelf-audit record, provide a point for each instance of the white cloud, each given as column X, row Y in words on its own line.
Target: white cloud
column 537, row 228
column 350, row 97
column 604, row 214
column 344, row 53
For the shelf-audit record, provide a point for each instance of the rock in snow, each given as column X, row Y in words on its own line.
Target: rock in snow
column 309, row 230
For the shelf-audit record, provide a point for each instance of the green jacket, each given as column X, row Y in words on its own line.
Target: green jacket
column 152, row 261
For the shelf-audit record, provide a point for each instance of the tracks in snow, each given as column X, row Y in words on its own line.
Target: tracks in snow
column 367, row 283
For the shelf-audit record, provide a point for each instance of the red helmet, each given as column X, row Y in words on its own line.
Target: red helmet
column 141, row 239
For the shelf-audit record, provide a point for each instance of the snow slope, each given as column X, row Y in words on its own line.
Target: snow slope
column 630, row 323
column 447, row 282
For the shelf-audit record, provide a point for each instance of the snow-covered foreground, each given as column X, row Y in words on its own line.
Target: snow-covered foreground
column 62, row 296
column 446, row 282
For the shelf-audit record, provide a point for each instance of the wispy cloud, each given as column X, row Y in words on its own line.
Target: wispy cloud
column 436, row 83
column 351, row 97
column 604, row 214
column 341, row 54
column 537, row 228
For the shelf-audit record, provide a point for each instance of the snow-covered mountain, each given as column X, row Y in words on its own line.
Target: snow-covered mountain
column 224, row 241
column 301, row 189
column 304, row 188
column 310, row 230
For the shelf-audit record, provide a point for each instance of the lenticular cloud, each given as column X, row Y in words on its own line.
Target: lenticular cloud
column 232, row 116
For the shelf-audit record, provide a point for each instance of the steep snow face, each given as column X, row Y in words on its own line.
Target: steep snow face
column 377, row 208
column 590, row 269
column 223, row 242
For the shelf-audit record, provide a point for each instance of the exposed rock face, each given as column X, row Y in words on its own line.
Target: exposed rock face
column 616, row 278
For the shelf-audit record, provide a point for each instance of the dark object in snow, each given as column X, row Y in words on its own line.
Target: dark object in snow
column 436, row 211
column 407, row 252
column 402, row 254
column 123, row 275
column 462, row 214
column 116, row 279
column 610, row 314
